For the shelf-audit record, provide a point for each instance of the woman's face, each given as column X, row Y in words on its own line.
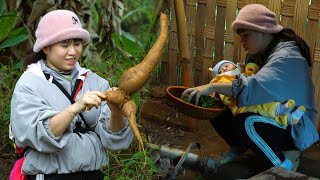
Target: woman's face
column 253, row 42
column 225, row 67
column 63, row 55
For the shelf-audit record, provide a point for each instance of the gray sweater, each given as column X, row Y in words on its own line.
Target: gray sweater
column 35, row 100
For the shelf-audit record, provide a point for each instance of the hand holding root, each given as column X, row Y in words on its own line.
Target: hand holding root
column 134, row 79
column 115, row 109
column 87, row 101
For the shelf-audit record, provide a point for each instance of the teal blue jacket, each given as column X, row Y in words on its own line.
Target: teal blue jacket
column 285, row 76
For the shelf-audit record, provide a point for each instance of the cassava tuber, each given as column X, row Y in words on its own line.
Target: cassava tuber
column 133, row 79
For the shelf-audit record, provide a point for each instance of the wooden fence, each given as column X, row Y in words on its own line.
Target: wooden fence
column 211, row 38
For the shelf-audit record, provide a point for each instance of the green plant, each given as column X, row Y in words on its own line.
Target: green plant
column 9, row 74
column 130, row 164
column 204, row 101
column 9, row 34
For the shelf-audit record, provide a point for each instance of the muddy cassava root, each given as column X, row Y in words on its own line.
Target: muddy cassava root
column 133, row 79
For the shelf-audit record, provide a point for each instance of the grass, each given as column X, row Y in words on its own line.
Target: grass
column 9, row 74
column 129, row 164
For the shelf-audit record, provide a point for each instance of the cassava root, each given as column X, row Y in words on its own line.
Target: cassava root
column 133, row 79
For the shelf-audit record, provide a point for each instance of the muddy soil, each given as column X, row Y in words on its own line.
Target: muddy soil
column 6, row 163
column 163, row 125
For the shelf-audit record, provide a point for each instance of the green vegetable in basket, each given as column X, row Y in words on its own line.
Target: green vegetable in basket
column 204, row 101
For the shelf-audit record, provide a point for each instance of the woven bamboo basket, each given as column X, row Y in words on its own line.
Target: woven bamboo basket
column 173, row 95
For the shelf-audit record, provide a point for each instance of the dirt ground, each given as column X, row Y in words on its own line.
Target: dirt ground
column 5, row 166
column 165, row 126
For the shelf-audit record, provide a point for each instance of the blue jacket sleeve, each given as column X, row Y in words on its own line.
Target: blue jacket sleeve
column 285, row 76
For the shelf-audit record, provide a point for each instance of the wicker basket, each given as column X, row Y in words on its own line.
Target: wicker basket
column 173, row 96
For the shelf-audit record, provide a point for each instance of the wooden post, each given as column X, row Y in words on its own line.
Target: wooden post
column 184, row 48
column 187, row 79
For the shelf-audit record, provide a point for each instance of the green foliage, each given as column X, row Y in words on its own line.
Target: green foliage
column 9, row 36
column 140, row 13
column 130, row 164
column 128, row 45
column 139, row 20
column 204, row 101
column 9, row 75
column 2, row 6
column 111, row 65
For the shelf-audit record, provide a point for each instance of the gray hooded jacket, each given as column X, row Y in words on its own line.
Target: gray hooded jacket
column 35, row 100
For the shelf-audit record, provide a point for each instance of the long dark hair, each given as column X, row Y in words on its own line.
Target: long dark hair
column 33, row 57
column 288, row 34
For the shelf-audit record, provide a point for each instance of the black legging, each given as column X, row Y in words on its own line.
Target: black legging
column 236, row 132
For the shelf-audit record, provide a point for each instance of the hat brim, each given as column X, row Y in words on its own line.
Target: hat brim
column 71, row 33
column 238, row 24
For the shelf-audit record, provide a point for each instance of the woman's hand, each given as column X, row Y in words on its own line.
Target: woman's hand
column 113, row 107
column 207, row 89
column 60, row 122
column 198, row 92
column 116, row 122
column 115, row 110
column 87, row 101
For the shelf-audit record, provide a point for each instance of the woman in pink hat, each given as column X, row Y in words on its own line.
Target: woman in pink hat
column 285, row 64
column 52, row 114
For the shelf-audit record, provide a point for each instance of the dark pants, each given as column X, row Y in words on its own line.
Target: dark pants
column 233, row 131
column 82, row 175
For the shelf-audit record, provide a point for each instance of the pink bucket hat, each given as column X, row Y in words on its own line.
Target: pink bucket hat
column 59, row 25
column 258, row 18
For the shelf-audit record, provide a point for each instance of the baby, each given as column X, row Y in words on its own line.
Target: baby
column 283, row 113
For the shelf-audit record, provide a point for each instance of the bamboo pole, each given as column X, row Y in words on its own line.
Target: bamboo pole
column 187, row 79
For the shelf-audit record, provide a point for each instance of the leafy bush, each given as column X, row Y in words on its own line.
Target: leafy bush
column 9, row 75
column 130, row 164
column 9, row 35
